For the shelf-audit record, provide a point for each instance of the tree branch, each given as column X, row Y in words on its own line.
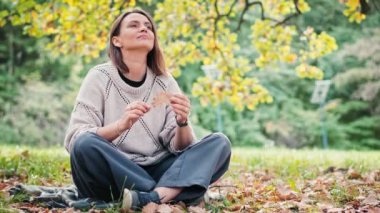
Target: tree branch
column 375, row 5
column 246, row 7
column 219, row 16
column 364, row 7
column 290, row 16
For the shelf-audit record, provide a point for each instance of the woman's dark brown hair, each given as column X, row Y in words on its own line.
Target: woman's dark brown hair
column 155, row 58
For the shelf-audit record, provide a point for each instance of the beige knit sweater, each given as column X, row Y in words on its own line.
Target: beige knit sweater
column 102, row 99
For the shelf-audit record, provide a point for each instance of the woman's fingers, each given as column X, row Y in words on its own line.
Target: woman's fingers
column 134, row 111
column 181, row 107
column 137, row 112
column 180, row 99
column 138, row 105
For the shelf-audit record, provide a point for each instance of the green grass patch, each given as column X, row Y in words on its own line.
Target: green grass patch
column 35, row 165
column 303, row 163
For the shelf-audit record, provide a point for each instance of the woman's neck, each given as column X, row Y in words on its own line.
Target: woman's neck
column 136, row 63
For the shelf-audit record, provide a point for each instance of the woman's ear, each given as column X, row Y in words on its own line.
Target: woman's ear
column 116, row 41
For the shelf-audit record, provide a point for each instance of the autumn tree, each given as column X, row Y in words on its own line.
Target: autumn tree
column 205, row 32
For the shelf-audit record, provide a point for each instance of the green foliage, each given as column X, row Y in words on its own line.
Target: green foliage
column 34, row 103
column 40, row 107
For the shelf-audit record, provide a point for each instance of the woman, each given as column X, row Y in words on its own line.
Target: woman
column 123, row 142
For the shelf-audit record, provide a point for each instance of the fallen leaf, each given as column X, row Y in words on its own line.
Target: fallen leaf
column 196, row 209
column 162, row 98
column 234, row 208
column 69, row 210
column 355, row 204
column 371, row 200
column 335, row 210
column 371, row 209
column 164, row 208
column 373, row 177
column 150, row 208
column 3, row 185
column 354, row 175
column 284, row 193
column 25, row 154
column 178, row 209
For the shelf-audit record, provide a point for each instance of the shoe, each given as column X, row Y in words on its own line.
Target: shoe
column 127, row 200
column 135, row 200
column 196, row 201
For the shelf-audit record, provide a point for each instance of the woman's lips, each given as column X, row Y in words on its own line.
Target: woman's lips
column 142, row 37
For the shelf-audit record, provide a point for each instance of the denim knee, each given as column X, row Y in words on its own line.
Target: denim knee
column 221, row 140
column 85, row 142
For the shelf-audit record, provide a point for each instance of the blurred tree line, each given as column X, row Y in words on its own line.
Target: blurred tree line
column 37, row 89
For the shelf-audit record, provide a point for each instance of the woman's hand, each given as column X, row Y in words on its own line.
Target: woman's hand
column 132, row 113
column 181, row 106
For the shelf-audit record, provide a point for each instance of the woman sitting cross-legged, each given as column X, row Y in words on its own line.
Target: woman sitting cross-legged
column 125, row 140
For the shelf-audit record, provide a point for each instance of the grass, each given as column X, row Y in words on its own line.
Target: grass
column 305, row 163
column 35, row 165
column 50, row 166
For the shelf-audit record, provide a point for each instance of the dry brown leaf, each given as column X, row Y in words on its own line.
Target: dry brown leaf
column 284, row 193
column 355, row 204
column 164, row 208
column 69, row 210
column 234, row 208
column 371, row 209
column 150, row 208
column 354, row 175
column 25, row 154
column 178, row 209
column 196, row 209
column 371, row 200
column 373, row 177
column 3, row 185
column 377, row 175
column 96, row 211
column 335, row 210
column 162, row 98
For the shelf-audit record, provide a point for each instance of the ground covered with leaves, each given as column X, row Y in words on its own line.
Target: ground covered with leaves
column 258, row 181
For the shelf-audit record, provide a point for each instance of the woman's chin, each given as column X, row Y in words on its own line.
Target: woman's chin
column 145, row 47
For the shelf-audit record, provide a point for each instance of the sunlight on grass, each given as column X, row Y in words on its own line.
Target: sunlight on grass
column 50, row 163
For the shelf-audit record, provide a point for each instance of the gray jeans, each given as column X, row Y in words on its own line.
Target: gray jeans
column 101, row 171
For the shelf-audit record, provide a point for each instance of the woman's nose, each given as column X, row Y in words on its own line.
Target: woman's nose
column 143, row 29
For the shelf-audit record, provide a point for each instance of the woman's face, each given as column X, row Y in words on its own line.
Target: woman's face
column 135, row 33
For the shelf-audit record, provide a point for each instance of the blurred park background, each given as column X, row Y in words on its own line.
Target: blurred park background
column 250, row 67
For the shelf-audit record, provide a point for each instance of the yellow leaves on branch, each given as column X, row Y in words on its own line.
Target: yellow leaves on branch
column 273, row 43
column 308, row 71
column 191, row 32
column 238, row 91
column 319, row 45
column 76, row 27
column 278, row 9
column 353, row 10
column 229, row 83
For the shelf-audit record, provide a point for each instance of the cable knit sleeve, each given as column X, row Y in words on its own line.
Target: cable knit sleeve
column 87, row 115
column 169, row 130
